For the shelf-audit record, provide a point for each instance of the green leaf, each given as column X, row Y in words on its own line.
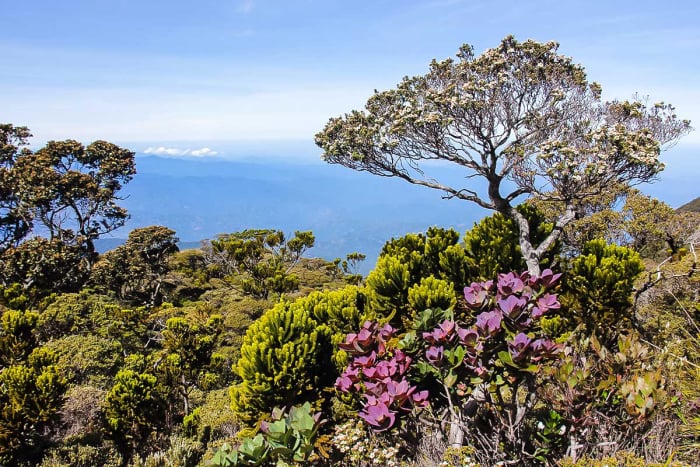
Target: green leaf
column 450, row 379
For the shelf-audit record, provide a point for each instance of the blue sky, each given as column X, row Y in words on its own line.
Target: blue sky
column 201, row 75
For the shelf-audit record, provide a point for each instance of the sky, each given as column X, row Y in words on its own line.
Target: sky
column 213, row 78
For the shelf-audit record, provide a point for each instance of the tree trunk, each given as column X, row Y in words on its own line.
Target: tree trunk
column 531, row 254
column 528, row 251
column 455, row 437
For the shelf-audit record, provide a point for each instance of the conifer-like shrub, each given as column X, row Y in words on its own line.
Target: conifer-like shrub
column 432, row 293
column 598, row 286
column 288, row 356
column 492, row 244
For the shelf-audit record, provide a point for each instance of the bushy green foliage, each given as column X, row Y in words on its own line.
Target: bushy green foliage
column 82, row 455
column 188, row 359
column 405, row 261
column 65, row 189
column 30, row 396
column 214, row 419
column 259, row 262
column 43, row 266
column 285, row 354
column 133, row 410
column 181, row 452
column 188, row 278
column 90, row 313
column 388, row 285
column 493, row 244
column 616, row 391
column 88, row 358
column 136, row 270
column 341, row 311
column 12, row 296
column 432, row 293
column 422, row 253
column 17, row 338
column 597, row 289
column 289, row 350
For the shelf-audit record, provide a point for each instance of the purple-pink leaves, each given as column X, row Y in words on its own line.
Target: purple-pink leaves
column 504, row 340
column 377, row 415
column 512, row 306
column 477, row 294
column 379, row 374
column 544, row 349
column 370, row 337
column 445, row 332
column 545, row 303
column 435, row 354
column 488, row 323
column 511, row 283
column 469, row 337
column 546, row 280
column 519, row 347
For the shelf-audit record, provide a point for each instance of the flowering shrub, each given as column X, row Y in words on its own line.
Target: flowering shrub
column 354, row 446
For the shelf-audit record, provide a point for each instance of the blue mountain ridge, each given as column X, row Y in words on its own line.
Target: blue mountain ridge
column 347, row 210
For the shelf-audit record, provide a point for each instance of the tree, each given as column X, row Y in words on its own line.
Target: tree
column 188, row 360
column 42, row 266
column 493, row 243
column 73, row 189
column 522, row 117
column 15, row 221
column 259, row 261
column 136, row 270
column 65, row 191
column 649, row 225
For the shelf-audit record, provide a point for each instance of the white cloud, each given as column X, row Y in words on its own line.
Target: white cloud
column 163, row 151
column 203, row 152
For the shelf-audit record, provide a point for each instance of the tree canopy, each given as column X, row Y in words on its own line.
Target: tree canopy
column 54, row 203
column 64, row 191
column 522, row 117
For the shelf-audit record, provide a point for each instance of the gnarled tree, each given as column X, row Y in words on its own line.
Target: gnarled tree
column 520, row 116
column 15, row 219
column 258, row 262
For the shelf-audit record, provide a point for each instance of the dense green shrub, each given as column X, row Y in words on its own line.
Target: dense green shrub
column 133, row 411
column 30, row 397
column 493, row 247
column 289, row 350
column 285, row 354
column 597, row 289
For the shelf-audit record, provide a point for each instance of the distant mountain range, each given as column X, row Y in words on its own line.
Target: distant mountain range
column 347, row 210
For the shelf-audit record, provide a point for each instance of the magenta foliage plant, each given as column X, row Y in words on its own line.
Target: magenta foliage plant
column 379, row 374
column 491, row 368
